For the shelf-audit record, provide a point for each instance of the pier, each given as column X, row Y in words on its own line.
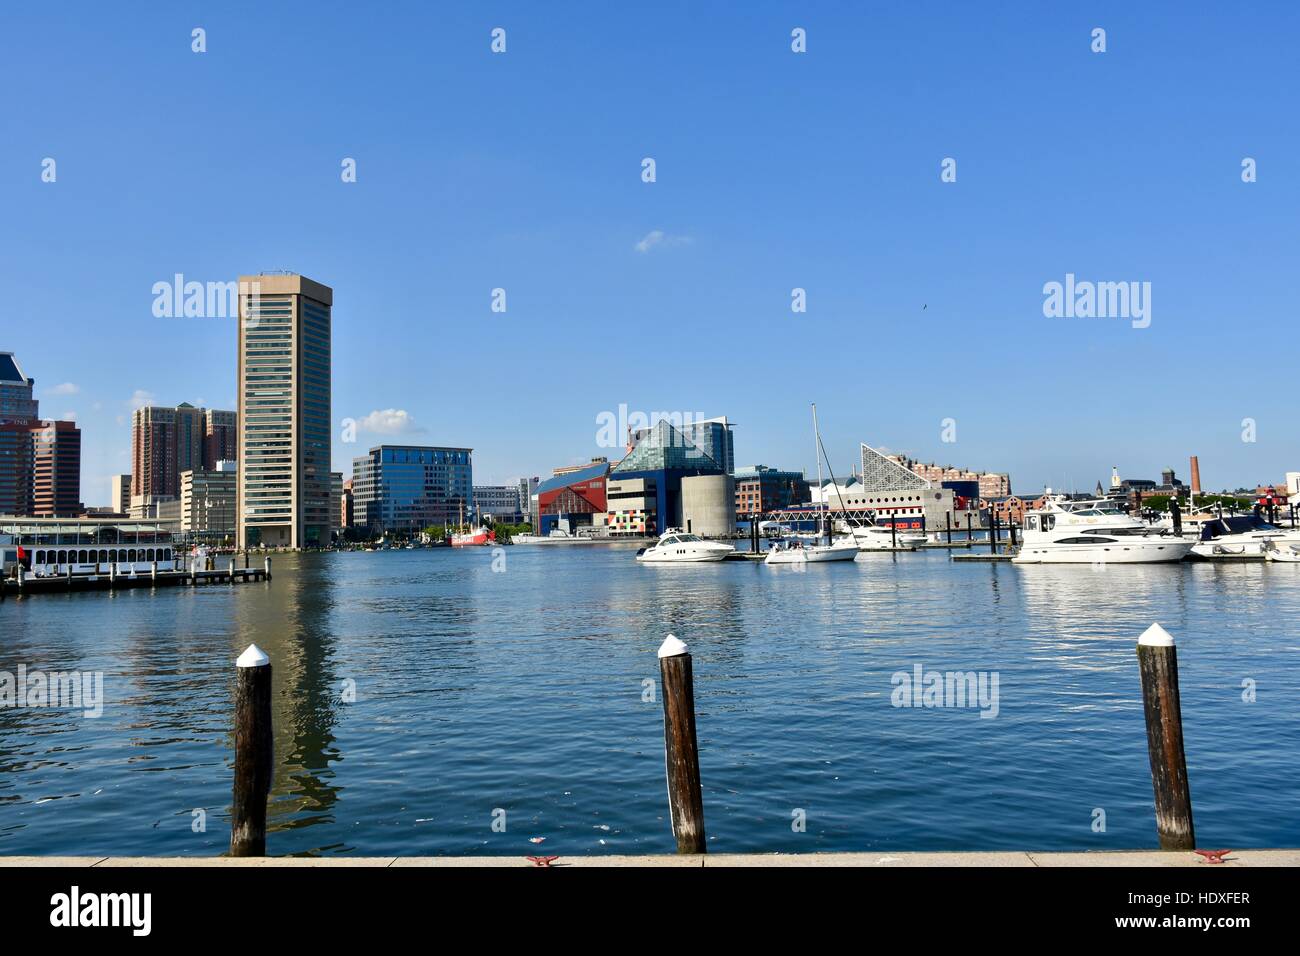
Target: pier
column 25, row 586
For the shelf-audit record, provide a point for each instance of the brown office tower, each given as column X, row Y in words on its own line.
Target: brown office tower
column 284, row 411
column 56, row 469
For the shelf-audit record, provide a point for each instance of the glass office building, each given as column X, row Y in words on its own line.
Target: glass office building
column 409, row 487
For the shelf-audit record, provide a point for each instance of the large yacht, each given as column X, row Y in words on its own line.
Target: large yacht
column 676, row 546
column 1093, row 532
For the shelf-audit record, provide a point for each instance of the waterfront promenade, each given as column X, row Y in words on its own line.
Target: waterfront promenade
column 1103, row 858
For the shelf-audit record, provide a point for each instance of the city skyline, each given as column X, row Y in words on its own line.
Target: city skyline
column 925, row 298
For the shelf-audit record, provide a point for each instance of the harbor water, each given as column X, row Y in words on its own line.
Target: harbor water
column 505, row 701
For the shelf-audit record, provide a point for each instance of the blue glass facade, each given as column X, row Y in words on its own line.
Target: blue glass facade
column 408, row 487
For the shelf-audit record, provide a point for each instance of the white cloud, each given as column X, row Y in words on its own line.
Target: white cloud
column 67, row 388
column 68, row 416
column 657, row 237
column 389, row 421
column 140, row 398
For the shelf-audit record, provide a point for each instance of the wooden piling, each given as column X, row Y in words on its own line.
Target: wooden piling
column 993, row 532
column 253, row 753
column 1158, row 664
column 947, row 521
column 970, row 537
column 267, row 568
column 681, row 755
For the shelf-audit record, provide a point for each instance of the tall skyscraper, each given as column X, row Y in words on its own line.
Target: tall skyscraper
column 284, row 411
column 56, row 469
column 18, row 411
column 16, row 399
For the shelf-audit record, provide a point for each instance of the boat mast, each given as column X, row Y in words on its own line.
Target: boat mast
column 817, row 453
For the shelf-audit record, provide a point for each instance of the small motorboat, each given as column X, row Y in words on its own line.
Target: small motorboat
column 798, row 551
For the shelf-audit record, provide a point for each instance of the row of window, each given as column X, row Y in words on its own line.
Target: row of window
column 103, row 556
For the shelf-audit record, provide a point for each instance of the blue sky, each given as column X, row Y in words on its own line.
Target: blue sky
column 775, row 170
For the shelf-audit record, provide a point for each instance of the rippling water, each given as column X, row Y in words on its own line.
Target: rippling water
column 523, row 690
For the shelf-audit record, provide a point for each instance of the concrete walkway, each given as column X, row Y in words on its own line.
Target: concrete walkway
column 1006, row 858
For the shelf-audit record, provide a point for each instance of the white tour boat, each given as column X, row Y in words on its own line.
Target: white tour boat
column 873, row 537
column 84, row 548
column 1093, row 532
column 676, row 546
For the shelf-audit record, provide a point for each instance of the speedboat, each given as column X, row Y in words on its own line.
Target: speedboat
column 1093, row 532
column 676, row 546
column 1241, row 535
column 797, row 551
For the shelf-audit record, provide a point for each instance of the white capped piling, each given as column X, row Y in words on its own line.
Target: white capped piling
column 153, row 571
column 267, row 567
column 254, row 746
column 1158, row 664
column 681, row 754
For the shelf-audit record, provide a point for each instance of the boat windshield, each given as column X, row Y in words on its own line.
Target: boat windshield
column 1241, row 524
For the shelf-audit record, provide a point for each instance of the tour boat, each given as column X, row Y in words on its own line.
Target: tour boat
column 873, row 537
column 82, row 548
column 557, row 536
column 1243, row 535
column 1093, row 532
column 676, row 546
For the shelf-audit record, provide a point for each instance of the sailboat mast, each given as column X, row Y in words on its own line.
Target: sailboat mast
column 817, row 453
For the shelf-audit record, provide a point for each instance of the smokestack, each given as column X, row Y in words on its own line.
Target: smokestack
column 1196, row 476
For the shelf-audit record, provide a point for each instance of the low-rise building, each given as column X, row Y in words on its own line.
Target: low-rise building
column 207, row 503
column 760, row 489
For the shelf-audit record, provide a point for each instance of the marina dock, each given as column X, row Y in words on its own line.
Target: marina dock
column 108, row 582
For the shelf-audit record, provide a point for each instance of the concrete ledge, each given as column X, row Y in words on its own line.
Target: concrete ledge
column 1016, row 858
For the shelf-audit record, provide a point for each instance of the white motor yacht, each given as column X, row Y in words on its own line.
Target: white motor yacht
column 1242, row 535
column 1093, row 532
column 676, row 546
